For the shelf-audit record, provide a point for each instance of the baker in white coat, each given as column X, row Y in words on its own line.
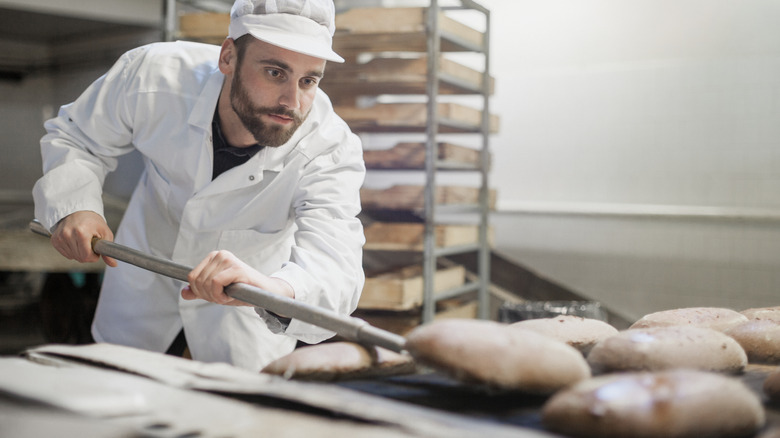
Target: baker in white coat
column 248, row 175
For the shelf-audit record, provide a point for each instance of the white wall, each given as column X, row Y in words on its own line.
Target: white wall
column 639, row 159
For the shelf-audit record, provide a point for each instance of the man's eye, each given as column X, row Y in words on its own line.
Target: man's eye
column 274, row 73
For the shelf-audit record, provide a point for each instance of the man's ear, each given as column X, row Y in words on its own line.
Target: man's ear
column 228, row 57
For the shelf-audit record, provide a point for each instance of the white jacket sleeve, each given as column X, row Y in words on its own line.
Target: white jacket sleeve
column 325, row 267
column 82, row 145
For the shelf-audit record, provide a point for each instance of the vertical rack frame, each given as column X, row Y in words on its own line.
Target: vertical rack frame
column 430, row 252
column 431, row 157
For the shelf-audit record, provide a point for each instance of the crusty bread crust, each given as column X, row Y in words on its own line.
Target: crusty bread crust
column 772, row 386
column 661, row 348
column 340, row 361
column 763, row 313
column 491, row 353
column 760, row 339
column 676, row 404
column 716, row 318
column 581, row 333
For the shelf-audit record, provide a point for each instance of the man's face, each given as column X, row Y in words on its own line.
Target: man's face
column 272, row 91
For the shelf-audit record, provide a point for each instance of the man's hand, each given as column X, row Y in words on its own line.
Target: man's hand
column 72, row 236
column 220, row 269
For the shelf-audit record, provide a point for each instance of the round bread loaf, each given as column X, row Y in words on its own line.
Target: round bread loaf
column 772, row 432
column 581, row 333
column 491, row 353
column 772, row 386
column 340, row 361
column 763, row 313
column 674, row 403
column 716, row 318
column 662, row 348
column 760, row 339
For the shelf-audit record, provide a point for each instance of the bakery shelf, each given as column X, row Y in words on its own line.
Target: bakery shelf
column 401, row 29
column 402, row 289
column 405, row 236
column 411, row 155
column 411, row 197
column 413, row 117
column 399, row 76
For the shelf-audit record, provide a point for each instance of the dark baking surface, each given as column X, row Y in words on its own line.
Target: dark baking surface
column 480, row 403
column 438, row 391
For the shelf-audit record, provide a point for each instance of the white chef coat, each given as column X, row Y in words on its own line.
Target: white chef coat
column 290, row 211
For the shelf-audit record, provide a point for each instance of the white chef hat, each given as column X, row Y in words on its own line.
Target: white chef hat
column 303, row 26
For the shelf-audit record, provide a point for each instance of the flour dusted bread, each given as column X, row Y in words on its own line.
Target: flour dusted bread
column 763, row 313
column 717, row 318
column 772, row 386
column 491, row 353
column 340, row 361
column 760, row 339
column 581, row 333
column 662, row 348
column 674, row 403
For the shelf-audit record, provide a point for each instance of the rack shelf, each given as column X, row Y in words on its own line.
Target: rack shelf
column 400, row 52
column 402, row 30
column 384, row 75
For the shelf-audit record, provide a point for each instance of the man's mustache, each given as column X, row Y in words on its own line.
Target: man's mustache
column 279, row 111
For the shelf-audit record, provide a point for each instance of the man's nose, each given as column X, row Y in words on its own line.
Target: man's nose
column 289, row 96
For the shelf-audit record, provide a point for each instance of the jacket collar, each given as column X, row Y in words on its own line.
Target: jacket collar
column 203, row 111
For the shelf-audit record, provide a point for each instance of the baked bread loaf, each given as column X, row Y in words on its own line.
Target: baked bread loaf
column 763, row 313
column 662, row 348
column 717, row 318
column 581, row 333
column 772, row 432
column 490, row 353
column 340, row 361
column 674, row 403
column 760, row 339
column 772, row 386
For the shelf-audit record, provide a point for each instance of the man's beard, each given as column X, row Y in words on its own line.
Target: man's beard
column 250, row 116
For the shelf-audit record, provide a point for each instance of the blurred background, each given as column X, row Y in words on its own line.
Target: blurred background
column 637, row 162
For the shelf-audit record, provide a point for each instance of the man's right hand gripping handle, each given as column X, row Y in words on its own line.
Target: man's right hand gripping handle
column 72, row 236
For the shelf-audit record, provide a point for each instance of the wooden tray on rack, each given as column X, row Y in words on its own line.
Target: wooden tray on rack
column 411, row 197
column 357, row 30
column 399, row 76
column 412, row 117
column 411, row 155
column 403, row 289
column 408, row 236
column 399, row 29
column 207, row 27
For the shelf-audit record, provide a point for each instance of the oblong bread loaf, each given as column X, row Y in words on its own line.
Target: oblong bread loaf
column 763, row 313
column 490, row 353
column 340, row 361
column 771, row 386
column 717, row 318
column 674, row 403
column 772, row 432
column 760, row 339
column 581, row 333
column 662, row 348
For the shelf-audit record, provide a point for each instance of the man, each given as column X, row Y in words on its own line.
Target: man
column 249, row 175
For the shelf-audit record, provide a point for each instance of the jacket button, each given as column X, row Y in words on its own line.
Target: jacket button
column 251, row 177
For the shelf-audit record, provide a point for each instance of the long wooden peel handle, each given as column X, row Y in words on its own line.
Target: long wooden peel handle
column 351, row 328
